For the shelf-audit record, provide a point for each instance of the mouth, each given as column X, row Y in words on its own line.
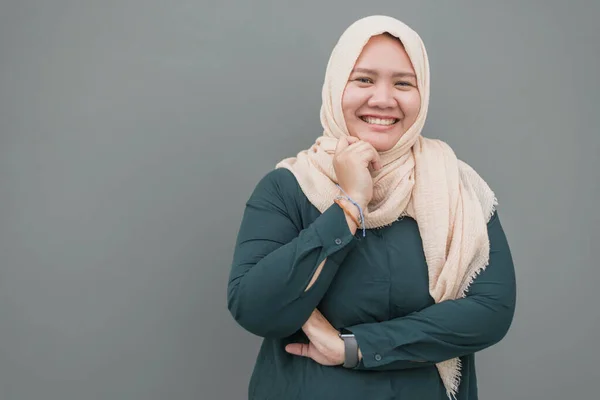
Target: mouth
column 379, row 121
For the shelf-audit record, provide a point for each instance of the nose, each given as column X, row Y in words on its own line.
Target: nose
column 382, row 97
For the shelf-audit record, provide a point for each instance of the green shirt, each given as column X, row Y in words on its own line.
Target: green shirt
column 375, row 286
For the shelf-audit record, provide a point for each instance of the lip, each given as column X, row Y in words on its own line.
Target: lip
column 379, row 116
column 379, row 128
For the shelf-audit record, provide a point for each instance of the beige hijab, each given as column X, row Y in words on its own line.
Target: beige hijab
column 420, row 178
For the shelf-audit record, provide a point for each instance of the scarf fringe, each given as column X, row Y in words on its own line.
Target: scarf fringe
column 450, row 370
column 452, row 381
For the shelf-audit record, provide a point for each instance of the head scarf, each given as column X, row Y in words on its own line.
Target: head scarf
column 421, row 177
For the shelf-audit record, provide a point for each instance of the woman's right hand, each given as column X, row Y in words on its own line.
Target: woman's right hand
column 351, row 162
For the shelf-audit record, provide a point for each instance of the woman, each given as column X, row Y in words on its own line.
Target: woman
column 374, row 263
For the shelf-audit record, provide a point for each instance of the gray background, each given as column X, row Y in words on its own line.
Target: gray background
column 132, row 132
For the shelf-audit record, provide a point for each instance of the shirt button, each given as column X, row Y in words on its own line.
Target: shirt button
column 377, row 357
column 338, row 241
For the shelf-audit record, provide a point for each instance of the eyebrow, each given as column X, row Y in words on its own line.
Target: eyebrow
column 394, row 75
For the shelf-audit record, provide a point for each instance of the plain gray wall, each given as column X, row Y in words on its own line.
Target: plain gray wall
column 132, row 133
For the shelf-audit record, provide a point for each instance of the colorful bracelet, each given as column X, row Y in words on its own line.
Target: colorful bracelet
column 362, row 217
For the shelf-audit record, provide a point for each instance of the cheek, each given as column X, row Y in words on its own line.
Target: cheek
column 411, row 104
column 351, row 101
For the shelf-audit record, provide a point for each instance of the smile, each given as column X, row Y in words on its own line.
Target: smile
column 379, row 121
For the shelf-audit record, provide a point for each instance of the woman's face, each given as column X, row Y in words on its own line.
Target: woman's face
column 381, row 100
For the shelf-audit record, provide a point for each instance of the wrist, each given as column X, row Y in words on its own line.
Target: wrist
column 351, row 207
column 354, row 214
column 342, row 350
column 358, row 199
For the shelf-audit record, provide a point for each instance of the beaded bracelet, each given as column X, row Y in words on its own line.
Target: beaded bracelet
column 362, row 218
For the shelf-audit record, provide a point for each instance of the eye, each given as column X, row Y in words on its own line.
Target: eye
column 403, row 83
column 364, row 80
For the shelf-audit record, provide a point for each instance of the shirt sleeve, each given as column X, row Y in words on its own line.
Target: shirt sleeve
column 274, row 259
column 449, row 329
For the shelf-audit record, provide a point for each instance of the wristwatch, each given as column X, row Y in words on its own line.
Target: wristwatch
column 350, row 349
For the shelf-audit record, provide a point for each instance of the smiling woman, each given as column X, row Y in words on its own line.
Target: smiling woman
column 373, row 264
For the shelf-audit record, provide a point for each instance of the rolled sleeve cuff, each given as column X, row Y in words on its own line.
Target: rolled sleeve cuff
column 333, row 231
column 373, row 353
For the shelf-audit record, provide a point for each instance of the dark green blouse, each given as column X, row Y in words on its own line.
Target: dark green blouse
column 375, row 286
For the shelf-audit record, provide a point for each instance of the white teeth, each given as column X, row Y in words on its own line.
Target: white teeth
column 379, row 121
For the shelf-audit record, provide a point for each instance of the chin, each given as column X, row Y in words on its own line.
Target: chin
column 382, row 149
column 381, row 143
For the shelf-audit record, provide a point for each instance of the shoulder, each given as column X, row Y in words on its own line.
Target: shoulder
column 278, row 193
column 279, row 180
column 278, row 185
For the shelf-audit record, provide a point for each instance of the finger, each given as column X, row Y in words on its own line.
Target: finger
column 376, row 161
column 366, row 153
column 346, row 141
column 342, row 144
column 298, row 349
column 361, row 145
column 366, row 149
column 356, row 148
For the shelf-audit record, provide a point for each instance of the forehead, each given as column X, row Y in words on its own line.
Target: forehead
column 384, row 50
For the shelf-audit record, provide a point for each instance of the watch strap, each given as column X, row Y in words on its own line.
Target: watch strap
column 350, row 350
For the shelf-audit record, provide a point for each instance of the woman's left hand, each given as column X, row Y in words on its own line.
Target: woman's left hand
column 325, row 347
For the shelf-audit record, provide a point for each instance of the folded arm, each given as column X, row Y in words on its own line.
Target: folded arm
column 273, row 285
column 451, row 328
